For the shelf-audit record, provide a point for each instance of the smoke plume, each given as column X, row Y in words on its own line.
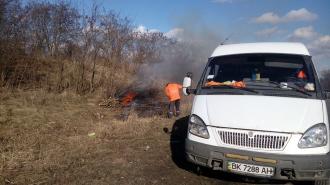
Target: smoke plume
column 194, row 41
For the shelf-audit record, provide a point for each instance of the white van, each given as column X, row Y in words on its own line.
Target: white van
column 259, row 110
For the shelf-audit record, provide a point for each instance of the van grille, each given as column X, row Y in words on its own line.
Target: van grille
column 253, row 139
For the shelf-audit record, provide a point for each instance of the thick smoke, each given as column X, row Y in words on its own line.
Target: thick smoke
column 194, row 43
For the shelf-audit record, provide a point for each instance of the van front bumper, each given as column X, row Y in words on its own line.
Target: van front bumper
column 287, row 167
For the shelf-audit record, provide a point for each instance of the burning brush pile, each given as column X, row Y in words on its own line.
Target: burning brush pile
column 145, row 102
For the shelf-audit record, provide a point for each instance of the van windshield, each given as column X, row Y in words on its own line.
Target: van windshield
column 271, row 74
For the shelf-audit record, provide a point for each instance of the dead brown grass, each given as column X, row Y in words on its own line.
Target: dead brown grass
column 45, row 139
column 48, row 138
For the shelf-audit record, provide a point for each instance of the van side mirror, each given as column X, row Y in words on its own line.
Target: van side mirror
column 187, row 84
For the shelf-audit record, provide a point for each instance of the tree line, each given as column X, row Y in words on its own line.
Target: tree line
column 56, row 47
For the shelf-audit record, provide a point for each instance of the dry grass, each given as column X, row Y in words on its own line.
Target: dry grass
column 45, row 139
column 63, row 138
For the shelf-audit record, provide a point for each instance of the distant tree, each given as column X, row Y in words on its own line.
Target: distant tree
column 40, row 25
column 52, row 27
column 116, row 35
column 65, row 26
column 147, row 46
column 2, row 10
column 92, row 43
column 12, row 41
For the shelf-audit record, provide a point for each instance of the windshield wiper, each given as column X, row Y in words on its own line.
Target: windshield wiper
column 232, row 87
column 291, row 87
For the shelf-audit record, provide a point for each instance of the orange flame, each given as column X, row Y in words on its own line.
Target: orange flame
column 128, row 98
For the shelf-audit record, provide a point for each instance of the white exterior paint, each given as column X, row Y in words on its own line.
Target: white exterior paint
column 277, row 114
column 263, row 113
column 270, row 47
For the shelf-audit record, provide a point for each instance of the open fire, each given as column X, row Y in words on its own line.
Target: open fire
column 128, row 98
column 144, row 102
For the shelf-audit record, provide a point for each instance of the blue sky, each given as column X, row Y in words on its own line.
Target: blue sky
column 306, row 21
column 162, row 14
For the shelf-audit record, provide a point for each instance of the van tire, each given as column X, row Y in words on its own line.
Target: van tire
column 322, row 182
column 198, row 170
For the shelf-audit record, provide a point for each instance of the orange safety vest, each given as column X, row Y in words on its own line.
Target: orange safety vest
column 172, row 91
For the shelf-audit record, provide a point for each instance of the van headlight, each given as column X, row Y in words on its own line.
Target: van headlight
column 198, row 127
column 316, row 136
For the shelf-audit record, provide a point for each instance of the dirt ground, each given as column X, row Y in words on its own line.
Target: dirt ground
column 67, row 139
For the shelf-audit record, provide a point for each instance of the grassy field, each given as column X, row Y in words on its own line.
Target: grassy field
column 69, row 139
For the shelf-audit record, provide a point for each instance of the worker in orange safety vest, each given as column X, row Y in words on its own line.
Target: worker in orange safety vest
column 172, row 91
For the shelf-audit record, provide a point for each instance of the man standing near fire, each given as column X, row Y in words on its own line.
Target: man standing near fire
column 172, row 91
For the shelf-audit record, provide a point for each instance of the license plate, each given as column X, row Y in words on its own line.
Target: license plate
column 250, row 169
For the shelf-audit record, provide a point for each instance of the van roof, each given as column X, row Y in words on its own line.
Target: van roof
column 262, row 47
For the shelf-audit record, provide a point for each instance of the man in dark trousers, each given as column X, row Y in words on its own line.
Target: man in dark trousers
column 172, row 91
